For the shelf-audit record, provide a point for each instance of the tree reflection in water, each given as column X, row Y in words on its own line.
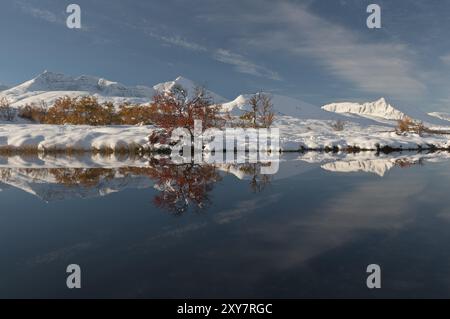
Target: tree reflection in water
column 258, row 181
column 181, row 187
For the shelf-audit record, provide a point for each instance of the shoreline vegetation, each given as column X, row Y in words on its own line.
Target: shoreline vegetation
column 138, row 150
column 83, row 125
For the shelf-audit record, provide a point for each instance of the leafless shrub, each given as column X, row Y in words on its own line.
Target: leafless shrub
column 7, row 113
column 261, row 113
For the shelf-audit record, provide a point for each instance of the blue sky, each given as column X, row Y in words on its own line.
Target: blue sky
column 315, row 50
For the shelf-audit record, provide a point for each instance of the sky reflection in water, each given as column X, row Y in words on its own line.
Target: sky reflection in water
column 309, row 231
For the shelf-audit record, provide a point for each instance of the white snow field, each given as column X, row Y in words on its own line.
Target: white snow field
column 368, row 126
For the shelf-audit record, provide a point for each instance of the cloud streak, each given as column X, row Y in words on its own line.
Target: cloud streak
column 239, row 62
column 242, row 65
column 381, row 68
column 39, row 13
column 179, row 41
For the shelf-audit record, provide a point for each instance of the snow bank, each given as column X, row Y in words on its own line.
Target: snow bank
column 72, row 137
column 313, row 134
column 295, row 135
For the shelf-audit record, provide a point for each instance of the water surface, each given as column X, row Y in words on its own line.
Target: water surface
column 192, row 232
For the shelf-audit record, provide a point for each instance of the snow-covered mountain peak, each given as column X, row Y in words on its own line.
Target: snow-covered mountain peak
column 50, row 81
column 440, row 115
column 282, row 106
column 184, row 81
column 180, row 81
column 49, row 86
column 189, row 86
column 379, row 109
column 381, row 100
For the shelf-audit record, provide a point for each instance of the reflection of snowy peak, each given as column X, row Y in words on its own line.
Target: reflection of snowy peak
column 376, row 166
column 378, row 109
column 41, row 183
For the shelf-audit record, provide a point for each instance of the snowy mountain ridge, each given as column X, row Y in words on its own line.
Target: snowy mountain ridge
column 49, row 81
column 440, row 115
column 378, row 109
column 49, row 86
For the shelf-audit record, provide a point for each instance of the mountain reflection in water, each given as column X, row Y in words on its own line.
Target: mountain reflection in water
column 310, row 230
column 180, row 186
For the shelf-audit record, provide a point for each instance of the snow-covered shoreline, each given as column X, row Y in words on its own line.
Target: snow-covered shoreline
column 295, row 135
column 303, row 127
column 41, row 137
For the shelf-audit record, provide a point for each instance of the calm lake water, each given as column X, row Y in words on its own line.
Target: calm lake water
column 202, row 232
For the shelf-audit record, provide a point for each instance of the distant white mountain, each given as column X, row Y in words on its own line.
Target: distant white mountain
column 288, row 109
column 440, row 115
column 379, row 109
column 50, row 86
column 283, row 105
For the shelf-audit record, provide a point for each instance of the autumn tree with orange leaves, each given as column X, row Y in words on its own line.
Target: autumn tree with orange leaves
column 179, row 109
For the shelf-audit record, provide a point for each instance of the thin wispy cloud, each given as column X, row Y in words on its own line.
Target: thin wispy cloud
column 179, row 41
column 43, row 14
column 242, row 65
column 317, row 49
column 52, row 17
column 40, row 13
column 239, row 62
column 381, row 68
